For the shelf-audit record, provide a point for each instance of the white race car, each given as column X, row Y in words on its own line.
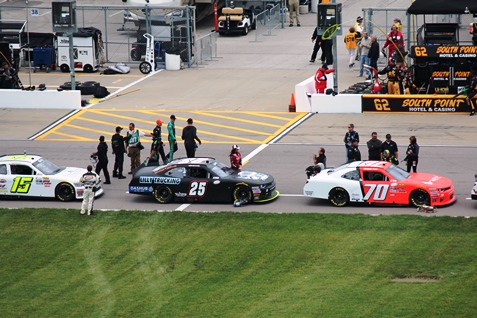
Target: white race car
column 379, row 182
column 34, row 176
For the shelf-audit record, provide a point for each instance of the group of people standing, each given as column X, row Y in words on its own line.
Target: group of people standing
column 131, row 146
column 379, row 150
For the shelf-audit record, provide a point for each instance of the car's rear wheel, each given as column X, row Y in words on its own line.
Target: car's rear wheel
column 65, row 192
column 243, row 194
column 339, row 197
column 163, row 194
column 419, row 197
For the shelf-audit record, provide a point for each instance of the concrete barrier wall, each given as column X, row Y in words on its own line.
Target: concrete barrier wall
column 321, row 103
column 15, row 98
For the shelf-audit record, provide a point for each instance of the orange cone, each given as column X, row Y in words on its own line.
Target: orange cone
column 292, row 106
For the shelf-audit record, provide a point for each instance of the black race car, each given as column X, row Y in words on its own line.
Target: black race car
column 202, row 180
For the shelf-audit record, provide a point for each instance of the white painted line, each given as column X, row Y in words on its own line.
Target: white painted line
column 59, row 121
column 182, row 207
column 48, row 12
column 126, row 87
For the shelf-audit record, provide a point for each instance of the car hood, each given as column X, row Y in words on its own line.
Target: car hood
column 429, row 180
column 253, row 176
column 71, row 173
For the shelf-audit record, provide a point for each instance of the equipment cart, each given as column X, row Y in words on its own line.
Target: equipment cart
column 44, row 58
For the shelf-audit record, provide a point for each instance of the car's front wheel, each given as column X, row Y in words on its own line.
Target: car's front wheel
column 163, row 194
column 243, row 194
column 339, row 197
column 419, row 197
column 65, row 192
column 245, row 29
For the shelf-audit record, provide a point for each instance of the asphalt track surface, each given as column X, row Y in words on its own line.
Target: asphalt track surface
column 241, row 98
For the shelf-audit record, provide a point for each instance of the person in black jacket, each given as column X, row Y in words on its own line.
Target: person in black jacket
column 102, row 154
column 373, row 54
column 390, row 145
column 117, row 144
column 374, row 147
column 350, row 137
column 157, row 147
column 189, row 135
column 412, row 154
column 315, row 38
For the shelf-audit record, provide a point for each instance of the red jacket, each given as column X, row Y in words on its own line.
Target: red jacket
column 320, row 79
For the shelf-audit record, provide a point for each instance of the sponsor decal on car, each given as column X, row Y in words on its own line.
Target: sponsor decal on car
column 140, row 189
column 180, row 194
column 159, row 180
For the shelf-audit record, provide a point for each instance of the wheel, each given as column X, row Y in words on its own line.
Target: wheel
column 67, row 86
column 339, row 197
column 88, row 68
column 145, row 68
column 419, row 197
column 65, row 192
column 64, row 68
column 221, row 33
column 88, row 88
column 135, row 55
column 243, row 194
column 48, row 70
column 163, row 194
column 245, row 30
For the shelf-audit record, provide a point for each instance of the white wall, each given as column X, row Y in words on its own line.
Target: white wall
column 15, row 98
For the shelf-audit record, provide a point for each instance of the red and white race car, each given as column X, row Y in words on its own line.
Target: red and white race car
column 379, row 182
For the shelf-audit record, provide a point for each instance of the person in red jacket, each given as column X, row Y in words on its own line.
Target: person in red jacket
column 394, row 41
column 320, row 78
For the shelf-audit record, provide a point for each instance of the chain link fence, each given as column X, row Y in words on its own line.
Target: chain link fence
column 122, row 29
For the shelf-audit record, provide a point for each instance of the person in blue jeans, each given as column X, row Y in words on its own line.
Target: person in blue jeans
column 364, row 46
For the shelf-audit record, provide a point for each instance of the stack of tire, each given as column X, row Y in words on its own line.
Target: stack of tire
column 359, row 88
column 86, row 88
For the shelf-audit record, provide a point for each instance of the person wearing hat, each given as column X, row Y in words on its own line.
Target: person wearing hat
column 235, row 158
column 117, row 145
column 157, row 146
column 350, row 137
column 189, row 135
column 358, row 28
column 171, row 129
column 102, row 154
column 134, row 146
column 391, row 147
column 320, row 78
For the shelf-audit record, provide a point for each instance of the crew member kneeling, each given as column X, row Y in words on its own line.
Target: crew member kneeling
column 320, row 78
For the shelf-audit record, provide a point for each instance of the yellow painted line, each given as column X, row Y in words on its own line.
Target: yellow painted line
column 55, row 129
column 127, row 118
column 234, row 119
column 117, row 81
column 290, row 122
column 72, row 136
column 183, row 118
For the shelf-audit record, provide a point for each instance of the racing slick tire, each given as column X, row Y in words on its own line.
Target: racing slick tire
column 65, row 192
column 163, row 194
column 339, row 197
column 243, row 194
column 419, row 197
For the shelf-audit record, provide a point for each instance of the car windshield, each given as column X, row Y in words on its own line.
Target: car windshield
column 220, row 169
column 397, row 173
column 46, row 167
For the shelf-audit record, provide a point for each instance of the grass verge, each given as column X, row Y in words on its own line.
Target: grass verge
column 58, row 263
